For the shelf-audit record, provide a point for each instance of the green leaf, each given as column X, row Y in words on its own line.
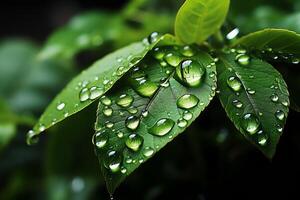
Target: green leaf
column 92, row 83
column 198, row 19
column 7, row 127
column 86, row 31
column 277, row 42
column 255, row 98
column 150, row 106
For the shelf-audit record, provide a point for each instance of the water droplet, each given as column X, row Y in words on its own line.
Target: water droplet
column 106, row 101
column 148, row 152
column 145, row 88
column 250, row 91
column 295, row 61
column 187, row 115
column 125, row 100
column 153, row 37
column 42, row 128
column 145, row 113
column 128, row 160
column 187, row 101
column 250, row 123
column 233, row 34
column 162, row 127
column 187, row 51
column 120, row 134
column 113, row 161
column 237, row 103
column 101, row 139
column 262, row 139
column 164, row 82
column 158, row 53
column 132, row 110
column 190, row 73
column 107, row 111
column 243, row 59
column 280, row 115
column 134, row 142
column 173, row 59
column 123, row 170
column 132, row 122
column 120, row 70
column 95, row 92
column 109, row 124
column 182, row 123
column 234, row 83
column 84, row 94
column 285, row 103
column 60, row 106
column 274, row 98
column 279, row 129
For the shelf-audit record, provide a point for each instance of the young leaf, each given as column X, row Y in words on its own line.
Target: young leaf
column 150, row 106
column 278, row 43
column 85, row 31
column 92, row 83
column 255, row 98
column 198, row 19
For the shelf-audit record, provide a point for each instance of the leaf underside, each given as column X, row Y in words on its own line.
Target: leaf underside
column 198, row 19
column 263, row 94
column 161, row 105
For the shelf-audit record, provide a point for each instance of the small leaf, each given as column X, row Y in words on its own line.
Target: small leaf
column 255, row 98
column 157, row 100
column 198, row 19
column 86, row 31
column 277, row 43
column 92, row 83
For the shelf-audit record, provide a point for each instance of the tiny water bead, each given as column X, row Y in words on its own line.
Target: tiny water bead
column 106, row 101
column 262, row 139
column 145, row 113
column 243, row 59
column 162, row 127
column 148, row 152
column 95, row 92
column 237, row 103
column 280, row 115
column 187, row 115
column 113, row 161
column 190, row 73
column 109, row 124
column 132, row 122
column 187, row 51
column 153, row 37
column 132, row 110
column 60, row 106
column 274, row 98
column 173, row 58
column 182, row 123
column 295, row 61
column 285, row 103
column 125, row 100
column 145, row 88
column 250, row 123
column 250, row 91
column 84, row 94
column 107, row 111
column 100, row 139
column 164, row 82
column 42, row 128
column 187, row 101
column 234, row 83
column 134, row 142
column 31, row 138
column 158, row 53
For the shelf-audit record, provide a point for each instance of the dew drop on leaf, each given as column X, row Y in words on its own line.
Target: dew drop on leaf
column 84, row 94
column 182, row 123
column 262, row 139
column 237, row 103
column 153, row 37
column 100, row 139
column 190, row 73
column 158, row 53
column 145, row 88
column 234, row 83
column 148, row 152
column 187, row 51
column 109, row 124
column 113, row 161
column 106, row 101
column 132, row 122
column 134, row 141
column 125, row 100
column 173, row 58
column 187, row 101
column 250, row 123
column 162, row 127
column 274, row 98
column 243, row 59
column 280, row 115
column 60, row 106
column 107, row 111
column 95, row 92
column 187, row 115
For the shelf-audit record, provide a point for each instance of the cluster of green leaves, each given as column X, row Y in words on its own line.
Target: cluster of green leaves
column 151, row 91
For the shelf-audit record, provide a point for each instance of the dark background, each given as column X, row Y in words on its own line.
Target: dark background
column 198, row 164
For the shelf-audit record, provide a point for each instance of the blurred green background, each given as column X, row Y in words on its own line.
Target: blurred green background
column 210, row 161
